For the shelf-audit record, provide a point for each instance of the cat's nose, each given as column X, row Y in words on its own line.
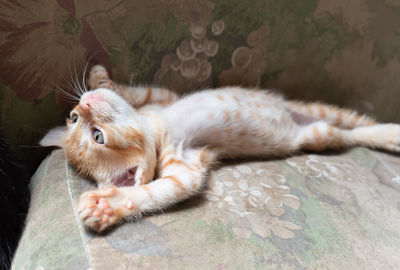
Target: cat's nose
column 86, row 102
column 85, row 105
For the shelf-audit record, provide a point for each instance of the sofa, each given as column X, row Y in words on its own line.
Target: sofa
column 310, row 211
column 330, row 211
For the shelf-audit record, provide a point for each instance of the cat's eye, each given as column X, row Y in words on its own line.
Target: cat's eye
column 98, row 136
column 74, row 118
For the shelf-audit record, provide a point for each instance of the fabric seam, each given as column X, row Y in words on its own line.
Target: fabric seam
column 80, row 227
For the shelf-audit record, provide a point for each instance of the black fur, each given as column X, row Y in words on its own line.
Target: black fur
column 14, row 202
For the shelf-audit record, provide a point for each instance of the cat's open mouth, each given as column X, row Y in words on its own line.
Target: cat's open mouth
column 125, row 179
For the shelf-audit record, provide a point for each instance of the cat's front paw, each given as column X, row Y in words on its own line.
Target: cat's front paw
column 98, row 209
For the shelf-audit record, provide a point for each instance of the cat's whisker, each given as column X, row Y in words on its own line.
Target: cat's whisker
column 73, row 88
column 84, row 74
column 75, row 85
column 58, row 88
column 62, row 76
column 76, row 81
column 84, row 77
column 69, row 85
column 71, row 99
column 67, row 94
column 39, row 130
column 82, row 84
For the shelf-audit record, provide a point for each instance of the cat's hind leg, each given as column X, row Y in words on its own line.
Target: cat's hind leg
column 382, row 136
column 332, row 115
column 320, row 136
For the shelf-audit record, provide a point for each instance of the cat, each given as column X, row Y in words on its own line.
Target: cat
column 158, row 153
column 14, row 200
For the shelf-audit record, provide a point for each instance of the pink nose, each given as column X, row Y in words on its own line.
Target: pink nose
column 88, row 100
column 85, row 104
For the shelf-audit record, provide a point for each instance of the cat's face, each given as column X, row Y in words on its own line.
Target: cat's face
column 104, row 139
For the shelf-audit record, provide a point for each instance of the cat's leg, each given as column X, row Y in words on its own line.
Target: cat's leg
column 137, row 96
column 179, row 178
column 333, row 115
column 382, row 136
column 320, row 136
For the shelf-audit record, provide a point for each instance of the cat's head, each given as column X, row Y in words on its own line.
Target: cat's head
column 106, row 139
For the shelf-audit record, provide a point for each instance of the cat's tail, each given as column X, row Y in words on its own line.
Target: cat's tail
column 331, row 114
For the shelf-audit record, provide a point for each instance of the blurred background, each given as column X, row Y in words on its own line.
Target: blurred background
column 342, row 52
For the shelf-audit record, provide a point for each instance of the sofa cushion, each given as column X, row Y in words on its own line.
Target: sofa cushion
column 332, row 211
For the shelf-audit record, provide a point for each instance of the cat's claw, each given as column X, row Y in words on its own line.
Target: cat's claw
column 95, row 210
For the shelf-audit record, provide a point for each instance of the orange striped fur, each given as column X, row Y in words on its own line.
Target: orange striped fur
column 333, row 115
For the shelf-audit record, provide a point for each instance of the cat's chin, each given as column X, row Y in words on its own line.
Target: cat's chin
column 128, row 178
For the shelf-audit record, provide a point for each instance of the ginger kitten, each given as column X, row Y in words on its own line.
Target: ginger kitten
column 158, row 152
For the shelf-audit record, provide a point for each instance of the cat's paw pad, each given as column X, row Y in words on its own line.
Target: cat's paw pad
column 98, row 77
column 95, row 208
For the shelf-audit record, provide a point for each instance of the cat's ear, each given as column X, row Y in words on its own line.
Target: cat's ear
column 54, row 137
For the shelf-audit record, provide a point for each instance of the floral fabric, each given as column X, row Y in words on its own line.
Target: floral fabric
column 338, row 211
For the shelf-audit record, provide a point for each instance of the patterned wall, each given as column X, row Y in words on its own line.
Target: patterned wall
column 343, row 52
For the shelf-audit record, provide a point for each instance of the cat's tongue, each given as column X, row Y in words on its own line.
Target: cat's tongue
column 125, row 179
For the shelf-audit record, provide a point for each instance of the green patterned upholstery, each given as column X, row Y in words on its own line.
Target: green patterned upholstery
column 337, row 211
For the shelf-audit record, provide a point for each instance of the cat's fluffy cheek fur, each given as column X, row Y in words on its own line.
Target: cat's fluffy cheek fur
column 114, row 163
column 105, row 168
